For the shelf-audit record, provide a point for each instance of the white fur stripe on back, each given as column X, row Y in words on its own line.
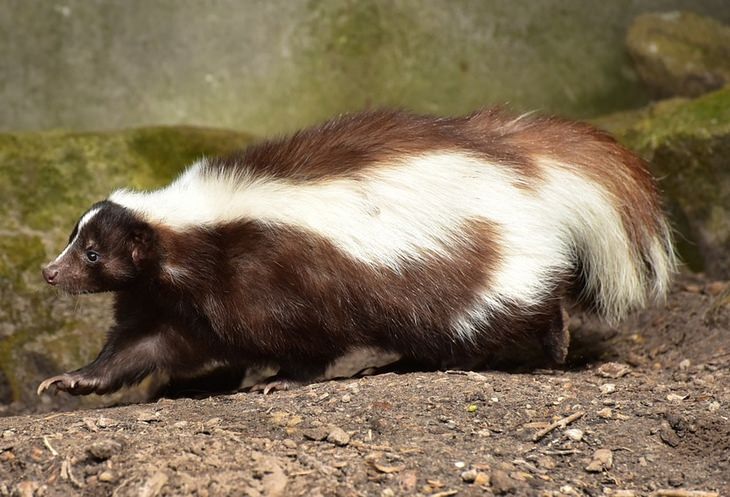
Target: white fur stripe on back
column 393, row 212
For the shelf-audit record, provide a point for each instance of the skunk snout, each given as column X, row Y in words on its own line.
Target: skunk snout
column 50, row 274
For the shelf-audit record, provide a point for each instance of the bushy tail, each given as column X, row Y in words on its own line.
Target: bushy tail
column 623, row 246
column 620, row 274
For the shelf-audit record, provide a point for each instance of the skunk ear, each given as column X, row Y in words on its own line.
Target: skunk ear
column 141, row 245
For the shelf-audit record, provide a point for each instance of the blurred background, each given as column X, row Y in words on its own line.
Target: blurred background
column 95, row 95
column 266, row 66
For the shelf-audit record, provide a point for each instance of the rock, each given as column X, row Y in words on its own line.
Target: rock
column 668, row 435
column 26, row 488
column 47, row 180
column 608, row 388
column 148, row 416
column 613, row 370
column 680, row 53
column 686, row 143
column 574, row 434
column 501, row 482
column 107, row 476
column 317, row 434
column 605, row 413
column 104, row 449
column 469, row 475
column 338, row 436
column 482, row 479
column 289, row 444
column 602, row 460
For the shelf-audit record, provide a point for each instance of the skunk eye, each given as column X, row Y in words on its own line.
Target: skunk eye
column 92, row 256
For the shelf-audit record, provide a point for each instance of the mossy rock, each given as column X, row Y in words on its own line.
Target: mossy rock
column 687, row 143
column 680, row 53
column 46, row 181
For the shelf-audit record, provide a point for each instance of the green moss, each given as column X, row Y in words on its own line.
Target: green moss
column 687, row 143
column 20, row 253
column 165, row 151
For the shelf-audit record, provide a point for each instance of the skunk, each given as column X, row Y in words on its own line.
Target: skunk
column 438, row 239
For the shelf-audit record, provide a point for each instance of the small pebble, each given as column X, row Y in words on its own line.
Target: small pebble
column 104, row 449
column 103, row 422
column 290, row 444
column 317, row 434
column 568, row 490
column 668, row 435
column 147, row 416
column 574, row 434
column 607, row 388
column 460, row 464
column 605, row 413
column 338, row 436
column 613, row 370
column 469, row 476
column 692, row 288
column 501, row 482
column 346, row 398
column 715, row 288
column 482, row 479
column 26, row 488
column 602, row 460
column 684, row 364
column 106, row 476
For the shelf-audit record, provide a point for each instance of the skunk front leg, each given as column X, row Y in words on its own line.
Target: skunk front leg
column 126, row 359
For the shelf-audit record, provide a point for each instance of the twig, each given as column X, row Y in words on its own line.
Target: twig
column 561, row 452
column 302, row 473
column 561, row 423
column 58, row 414
column 49, row 446
column 678, row 492
column 70, row 474
column 361, row 445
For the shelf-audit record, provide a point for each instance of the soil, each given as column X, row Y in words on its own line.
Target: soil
column 645, row 410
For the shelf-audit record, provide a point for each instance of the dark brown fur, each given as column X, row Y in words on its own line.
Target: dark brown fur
column 253, row 294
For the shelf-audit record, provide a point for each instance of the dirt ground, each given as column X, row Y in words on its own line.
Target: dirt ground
column 645, row 410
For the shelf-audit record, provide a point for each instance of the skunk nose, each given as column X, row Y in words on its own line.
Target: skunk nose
column 50, row 273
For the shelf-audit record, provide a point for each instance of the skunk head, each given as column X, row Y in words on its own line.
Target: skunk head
column 109, row 249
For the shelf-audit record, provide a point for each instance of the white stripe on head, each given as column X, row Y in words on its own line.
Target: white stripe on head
column 82, row 222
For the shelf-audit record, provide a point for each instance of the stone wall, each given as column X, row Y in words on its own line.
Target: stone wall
column 274, row 65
